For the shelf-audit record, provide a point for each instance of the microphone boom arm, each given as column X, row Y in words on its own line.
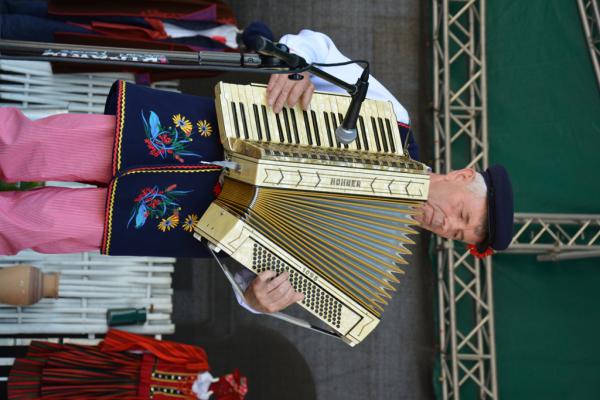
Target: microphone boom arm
column 270, row 59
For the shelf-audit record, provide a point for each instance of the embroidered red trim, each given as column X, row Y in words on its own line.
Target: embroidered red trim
column 473, row 250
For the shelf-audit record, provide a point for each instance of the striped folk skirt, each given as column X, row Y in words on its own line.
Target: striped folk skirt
column 66, row 371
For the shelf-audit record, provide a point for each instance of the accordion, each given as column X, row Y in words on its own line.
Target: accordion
column 337, row 217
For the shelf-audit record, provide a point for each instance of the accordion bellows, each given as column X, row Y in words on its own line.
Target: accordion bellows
column 338, row 220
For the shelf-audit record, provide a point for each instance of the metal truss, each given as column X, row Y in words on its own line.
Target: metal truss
column 467, row 354
column 590, row 19
column 557, row 236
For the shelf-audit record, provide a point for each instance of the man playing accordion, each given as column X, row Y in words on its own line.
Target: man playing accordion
column 156, row 159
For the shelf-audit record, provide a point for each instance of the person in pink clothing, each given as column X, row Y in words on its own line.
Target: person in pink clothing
column 66, row 147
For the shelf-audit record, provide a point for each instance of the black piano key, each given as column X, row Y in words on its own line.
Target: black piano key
column 383, row 135
column 358, row 140
column 279, row 128
column 286, row 120
column 334, row 125
column 308, row 130
column 257, row 119
column 266, row 123
column 388, row 126
column 329, row 136
column 244, row 123
column 295, row 125
column 363, row 133
column 235, row 119
column 376, row 134
column 316, row 126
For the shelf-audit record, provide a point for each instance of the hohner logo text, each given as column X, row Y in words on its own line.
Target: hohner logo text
column 345, row 182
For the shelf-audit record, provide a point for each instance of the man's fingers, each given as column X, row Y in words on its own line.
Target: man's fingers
column 270, row 292
column 283, row 91
column 289, row 298
column 277, row 281
column 265, row 277
column 276, row 82
column 298, row 90
column 307, row 96
column 283, row 95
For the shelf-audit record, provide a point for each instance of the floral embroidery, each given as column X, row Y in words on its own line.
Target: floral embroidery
column 165, row 141
column 166, row 224
column 183, row 124
column 204, row 128
column 158, row 204
column 189, row 222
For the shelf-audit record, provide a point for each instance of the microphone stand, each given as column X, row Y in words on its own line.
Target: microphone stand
column 271, row 58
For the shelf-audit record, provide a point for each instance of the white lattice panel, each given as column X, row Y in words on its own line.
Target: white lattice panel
column 34, row 88
column 89, row 285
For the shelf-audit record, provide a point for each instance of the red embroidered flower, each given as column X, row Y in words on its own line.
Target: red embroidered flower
column 473, row 250
column 154, row 203
column 144, row 192
column 166, row 139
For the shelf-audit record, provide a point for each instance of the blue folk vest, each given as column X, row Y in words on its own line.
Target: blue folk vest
column 163, row 179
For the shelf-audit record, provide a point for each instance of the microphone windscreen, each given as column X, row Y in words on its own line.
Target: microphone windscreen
column 254, row 30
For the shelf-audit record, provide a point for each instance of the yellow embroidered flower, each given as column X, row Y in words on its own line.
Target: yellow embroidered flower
column 182, row 123
column 189, row 222
column 166, row 224
column 204, row 128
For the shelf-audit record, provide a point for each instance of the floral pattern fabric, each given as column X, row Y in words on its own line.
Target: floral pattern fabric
column 157, row 204
column 161, row 205
column 165, row 141
column 164, row 180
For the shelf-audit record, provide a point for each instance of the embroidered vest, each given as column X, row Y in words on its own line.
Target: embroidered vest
column 163, row 176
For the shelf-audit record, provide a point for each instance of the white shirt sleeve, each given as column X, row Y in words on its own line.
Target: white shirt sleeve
column 316, row 47
column 243, row 279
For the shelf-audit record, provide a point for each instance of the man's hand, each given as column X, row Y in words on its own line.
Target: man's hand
column 271, row 293
column 284, row 91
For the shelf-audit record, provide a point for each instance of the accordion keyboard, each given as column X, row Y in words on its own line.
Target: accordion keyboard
column 246, row 116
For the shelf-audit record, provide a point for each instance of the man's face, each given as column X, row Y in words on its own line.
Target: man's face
column 452, row 210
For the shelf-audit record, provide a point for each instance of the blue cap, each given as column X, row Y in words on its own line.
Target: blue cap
column 500, row 209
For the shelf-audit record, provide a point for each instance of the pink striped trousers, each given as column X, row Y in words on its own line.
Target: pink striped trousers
column 68, row 148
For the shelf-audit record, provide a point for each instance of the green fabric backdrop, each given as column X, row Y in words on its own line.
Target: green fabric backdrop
column 544, row 125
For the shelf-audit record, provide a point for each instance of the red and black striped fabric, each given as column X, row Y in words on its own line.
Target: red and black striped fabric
column 64, row 371
column 192, row 358
column 123, row 366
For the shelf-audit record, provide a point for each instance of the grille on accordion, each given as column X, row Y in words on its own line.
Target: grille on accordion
column 338, row 219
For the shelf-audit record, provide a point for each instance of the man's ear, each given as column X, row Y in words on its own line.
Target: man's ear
column 464, row 175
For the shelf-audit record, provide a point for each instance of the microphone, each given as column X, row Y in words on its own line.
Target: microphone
column 346, row 133
column 266, row 47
